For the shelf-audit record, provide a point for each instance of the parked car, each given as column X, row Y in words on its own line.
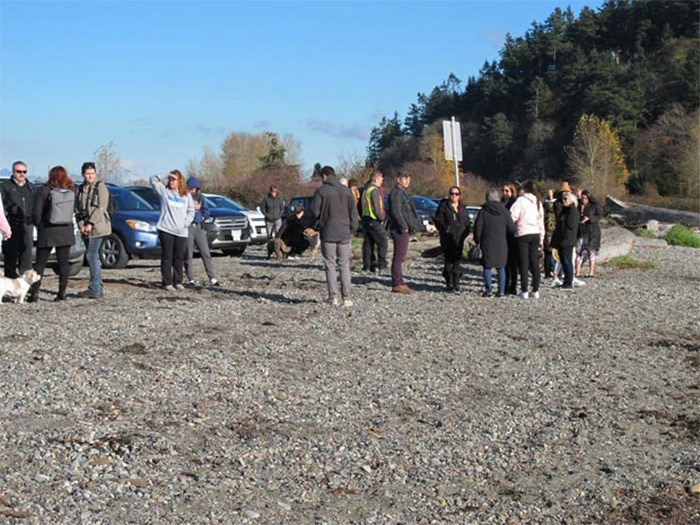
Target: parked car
column 473, row 211
column 256, row 220
column 425, row 208
column 227, row 229
column 75, row 257
column 134, row 234
column 309, row 219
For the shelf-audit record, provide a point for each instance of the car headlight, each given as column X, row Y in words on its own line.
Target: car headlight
column 209, row 220
column 141, row 226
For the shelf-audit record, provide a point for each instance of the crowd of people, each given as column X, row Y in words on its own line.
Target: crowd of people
column 514, row 230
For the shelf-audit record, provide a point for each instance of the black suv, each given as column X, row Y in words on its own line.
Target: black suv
column 309, row 219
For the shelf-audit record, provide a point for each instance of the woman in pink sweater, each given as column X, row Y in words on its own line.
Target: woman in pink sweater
column 528, row 216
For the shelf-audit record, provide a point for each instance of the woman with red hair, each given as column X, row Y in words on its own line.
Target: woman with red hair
column 52, row 233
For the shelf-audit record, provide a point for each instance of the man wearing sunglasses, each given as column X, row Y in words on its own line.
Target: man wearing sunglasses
column 18, row 198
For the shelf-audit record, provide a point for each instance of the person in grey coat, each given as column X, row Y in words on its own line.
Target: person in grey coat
column 334, row 206
column 50, row 236
column 272, row 208
column 490, row 229
column 403, row 222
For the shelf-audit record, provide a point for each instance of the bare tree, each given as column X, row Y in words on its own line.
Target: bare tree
column 108, row 164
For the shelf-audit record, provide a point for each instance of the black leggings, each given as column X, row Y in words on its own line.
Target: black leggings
column 62, row 256
column 172, row 260
column 528, row 259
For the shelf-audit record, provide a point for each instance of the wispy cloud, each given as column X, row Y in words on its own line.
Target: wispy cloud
column 354, row 131
column 209, row 130
column 494, row 37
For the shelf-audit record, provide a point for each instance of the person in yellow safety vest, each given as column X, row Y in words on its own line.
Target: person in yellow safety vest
column 375, row 244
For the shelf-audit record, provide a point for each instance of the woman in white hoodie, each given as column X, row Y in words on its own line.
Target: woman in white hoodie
column 528, row 216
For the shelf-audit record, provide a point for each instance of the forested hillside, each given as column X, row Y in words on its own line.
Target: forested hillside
column 625, row 77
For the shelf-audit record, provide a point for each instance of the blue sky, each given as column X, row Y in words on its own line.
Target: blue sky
column 163, row 79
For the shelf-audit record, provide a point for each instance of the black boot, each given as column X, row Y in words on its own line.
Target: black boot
column 33, row 295
column 455, row 281
column 448, row 280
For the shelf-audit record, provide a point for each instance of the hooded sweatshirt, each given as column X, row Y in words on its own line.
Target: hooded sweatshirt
column 490, row 228
column 176, row 211
column 528, row 216
column 203, row 213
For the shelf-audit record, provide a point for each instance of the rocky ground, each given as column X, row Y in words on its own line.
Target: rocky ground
column 259, row 403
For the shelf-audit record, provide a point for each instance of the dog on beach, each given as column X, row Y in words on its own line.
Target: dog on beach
column 18, row 288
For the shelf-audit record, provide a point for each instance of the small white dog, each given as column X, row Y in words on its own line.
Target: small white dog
column 18, row 288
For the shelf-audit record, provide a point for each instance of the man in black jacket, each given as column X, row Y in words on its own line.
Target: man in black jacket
column 272, row 207
column 18, row 201
column 334, row 206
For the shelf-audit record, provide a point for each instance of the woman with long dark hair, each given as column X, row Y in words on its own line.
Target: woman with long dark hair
column 588, row 242
column 528, row 215
column 452, row 221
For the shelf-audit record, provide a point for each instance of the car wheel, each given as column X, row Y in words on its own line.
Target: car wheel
column 234, row 252
column 112, row 253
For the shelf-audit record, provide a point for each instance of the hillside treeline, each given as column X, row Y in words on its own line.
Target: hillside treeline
column 626, row 75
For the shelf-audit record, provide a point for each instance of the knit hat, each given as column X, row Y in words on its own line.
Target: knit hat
column 192, row 182
column 565, row 186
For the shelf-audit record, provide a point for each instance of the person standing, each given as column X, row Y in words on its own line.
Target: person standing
column 508, row 196
column 589, row 234
column 176, row 214
column 94, row 224
column 375, row 243
column 335, row 209
column 5, row 229
column 452, row 221
column 196, row 236
column 17, row 195
column 528, row 215
column 404, row 221
column 565, row 235
column 272, row 208
column 490, row 229
column 50, row 236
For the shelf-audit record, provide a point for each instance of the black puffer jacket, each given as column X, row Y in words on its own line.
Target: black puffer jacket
column 452, row 225
column 565, row 233
column 490, row 229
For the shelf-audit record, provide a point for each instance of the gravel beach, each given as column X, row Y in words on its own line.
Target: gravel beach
column 258, row 403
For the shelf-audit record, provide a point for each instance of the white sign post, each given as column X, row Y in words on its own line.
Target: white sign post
column 453, row 144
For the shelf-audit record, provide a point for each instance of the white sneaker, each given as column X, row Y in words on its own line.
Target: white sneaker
column 179, row 287
column 169, row 288
column 347, row 303
column 214, row 282
column 556, row 283
column 535, row 295
column 191, row 283
column 523, row 295
column 333, row 302
column 577, row 282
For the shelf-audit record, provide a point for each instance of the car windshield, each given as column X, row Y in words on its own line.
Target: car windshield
column 425, row 203
column 219, row 201
column 148, row 194
column 130, row 201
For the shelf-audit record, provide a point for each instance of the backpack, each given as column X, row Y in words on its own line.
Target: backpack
column 110, row 202
column 62, row 206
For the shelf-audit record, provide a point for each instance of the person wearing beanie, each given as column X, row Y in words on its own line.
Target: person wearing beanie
column 196, row 236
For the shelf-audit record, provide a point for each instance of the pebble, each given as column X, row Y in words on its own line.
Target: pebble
column 258, row 401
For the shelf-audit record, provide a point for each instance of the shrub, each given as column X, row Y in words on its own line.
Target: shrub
column 646, row 233
column 626, row 262
column 681, row 235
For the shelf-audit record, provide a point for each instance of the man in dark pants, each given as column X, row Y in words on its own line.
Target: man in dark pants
column 373, row 215
column 272, row 208
column 18, row 200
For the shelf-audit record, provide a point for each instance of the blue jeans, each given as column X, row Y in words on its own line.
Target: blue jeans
column 488, row 275
column 92, row 254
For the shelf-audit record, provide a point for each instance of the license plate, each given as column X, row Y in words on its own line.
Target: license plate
column 236, row 235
